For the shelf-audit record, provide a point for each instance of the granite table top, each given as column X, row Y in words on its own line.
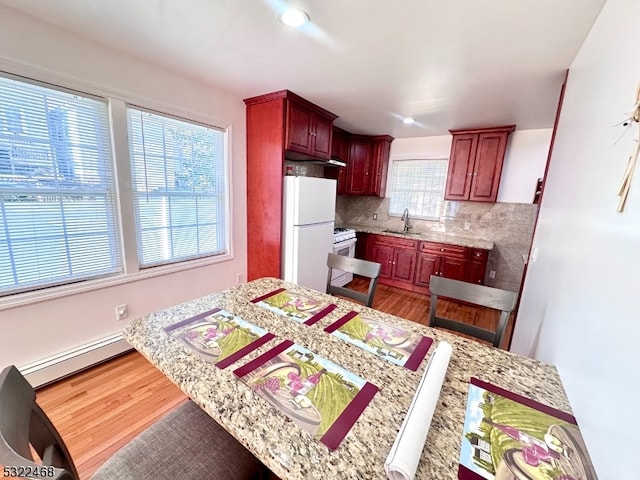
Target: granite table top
column 292, row 453
column 426, row 236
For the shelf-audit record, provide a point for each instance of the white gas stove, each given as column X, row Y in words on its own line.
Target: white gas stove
column 342, row 235
column 344, row 243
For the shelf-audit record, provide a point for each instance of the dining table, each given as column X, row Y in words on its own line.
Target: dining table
column 289, row 451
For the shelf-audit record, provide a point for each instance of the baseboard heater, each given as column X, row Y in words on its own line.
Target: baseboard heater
column 58, row 366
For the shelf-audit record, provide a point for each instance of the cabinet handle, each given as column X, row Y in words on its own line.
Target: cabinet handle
column 469, row 174
column 442, row 249
column 475, row 174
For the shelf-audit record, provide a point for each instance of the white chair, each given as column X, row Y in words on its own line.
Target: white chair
column 481, row 295
column 364, row 268
column 184, row 444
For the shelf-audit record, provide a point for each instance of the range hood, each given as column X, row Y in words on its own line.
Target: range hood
column 316, row 161
column 325, row 163
column 336, row 163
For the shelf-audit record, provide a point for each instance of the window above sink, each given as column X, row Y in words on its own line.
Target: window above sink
column 419, row 186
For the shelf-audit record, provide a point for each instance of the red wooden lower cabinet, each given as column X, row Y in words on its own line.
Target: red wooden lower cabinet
column 383, row 254
column 428, row 264
column 397, row 257
column 477, row 265
column 409, row 264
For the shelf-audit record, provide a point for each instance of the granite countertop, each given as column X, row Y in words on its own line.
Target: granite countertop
column 290, row 452
column 426, row 236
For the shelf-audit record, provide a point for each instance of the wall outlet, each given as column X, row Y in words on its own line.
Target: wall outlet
column 467, row 226
column 375, row 216
column 238, row 278
column 122, row 312
column 492, row 274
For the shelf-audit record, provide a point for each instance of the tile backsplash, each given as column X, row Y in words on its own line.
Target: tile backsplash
column 508, row 225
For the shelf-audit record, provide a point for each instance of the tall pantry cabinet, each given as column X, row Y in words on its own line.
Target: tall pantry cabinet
column 279, row 124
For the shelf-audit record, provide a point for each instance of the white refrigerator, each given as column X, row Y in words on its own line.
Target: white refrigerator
column 309, row 212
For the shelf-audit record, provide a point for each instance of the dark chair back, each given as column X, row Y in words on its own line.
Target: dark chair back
column 356, row 266
column 481, row 295
column 24, row 424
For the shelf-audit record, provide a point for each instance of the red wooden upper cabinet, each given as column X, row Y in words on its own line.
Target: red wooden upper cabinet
column 475, row 163
column 368, row 165
column 340, row 143
column 308, row 130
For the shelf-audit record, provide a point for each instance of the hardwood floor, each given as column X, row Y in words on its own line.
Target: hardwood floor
column 99, row 410
column 415, row 307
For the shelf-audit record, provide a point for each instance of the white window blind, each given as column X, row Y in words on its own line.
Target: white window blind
column 419, row 186
column 179, row 188
column 57, row 199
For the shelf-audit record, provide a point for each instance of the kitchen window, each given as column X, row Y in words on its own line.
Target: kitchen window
column 419, row 186
column 179, row 189
column 58, row 219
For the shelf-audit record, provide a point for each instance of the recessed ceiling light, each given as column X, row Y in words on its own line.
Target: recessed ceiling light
column 294, row 17
column 408, row 120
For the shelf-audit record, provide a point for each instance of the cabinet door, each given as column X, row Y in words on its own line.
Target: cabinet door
column 403, row 265
column 363, row 245
column 341, row 189
column 322, row 133
column 379, row 166
column 488, row 166
column 461, row 161
column 452, row 267
column 427, row 264
column 340, row 144
column 358, row 168
column 383, row 254
column 299, row 128
column 477, row 266
column 475, row 272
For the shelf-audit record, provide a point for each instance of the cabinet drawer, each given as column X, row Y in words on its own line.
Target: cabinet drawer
column 478, row 254
column 395, row 241
column 442, row 249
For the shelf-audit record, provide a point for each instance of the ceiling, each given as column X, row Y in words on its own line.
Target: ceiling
column 447, row 63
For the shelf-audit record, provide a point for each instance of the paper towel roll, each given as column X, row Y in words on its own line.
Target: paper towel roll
column 405, row 453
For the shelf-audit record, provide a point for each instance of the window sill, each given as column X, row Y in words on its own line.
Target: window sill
column 29, row 298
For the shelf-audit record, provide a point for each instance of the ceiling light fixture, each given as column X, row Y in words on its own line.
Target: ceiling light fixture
column 294, row 17
column 408, row 120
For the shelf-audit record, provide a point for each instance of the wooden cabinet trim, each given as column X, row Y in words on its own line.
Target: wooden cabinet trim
column 442, row 248
column 396, row 241
column 503, row 129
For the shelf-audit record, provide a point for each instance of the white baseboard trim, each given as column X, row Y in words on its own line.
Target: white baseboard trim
column 66, row 363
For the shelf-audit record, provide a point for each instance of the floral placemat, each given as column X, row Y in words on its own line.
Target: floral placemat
column 399, row 346
column 294, row 305
column 321, row 397
column 219, row 336
column 506, row 435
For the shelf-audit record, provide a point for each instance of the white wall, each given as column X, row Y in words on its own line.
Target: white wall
column 46, row 328
column 580, row 305
column 524, row 161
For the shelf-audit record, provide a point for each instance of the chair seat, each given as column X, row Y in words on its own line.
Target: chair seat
column 364, row 268
column 481, row 295
column 184, row 444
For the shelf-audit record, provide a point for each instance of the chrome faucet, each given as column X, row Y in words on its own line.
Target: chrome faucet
column 405, row 219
